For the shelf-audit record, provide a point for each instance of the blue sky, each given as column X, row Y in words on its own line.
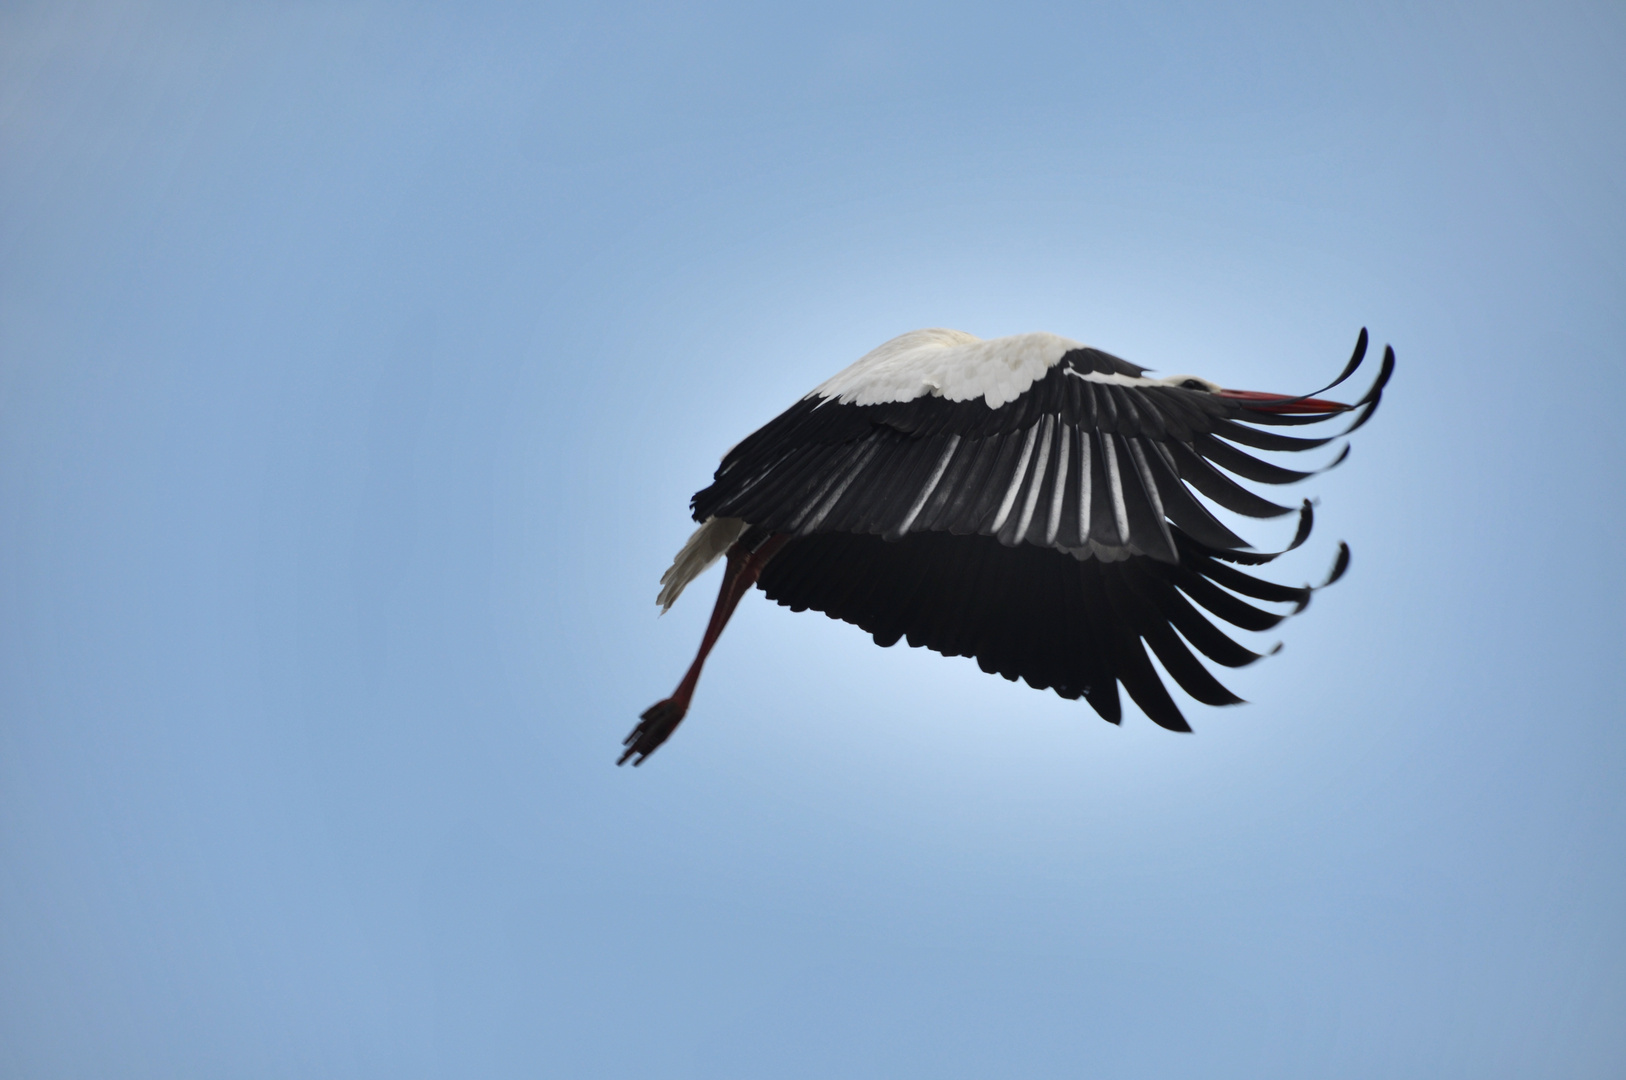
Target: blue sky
column 357, row 362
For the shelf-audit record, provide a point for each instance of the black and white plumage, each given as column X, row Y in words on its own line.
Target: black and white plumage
column 1027, row 501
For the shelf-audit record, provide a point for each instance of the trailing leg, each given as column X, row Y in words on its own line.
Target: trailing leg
column 745, row 565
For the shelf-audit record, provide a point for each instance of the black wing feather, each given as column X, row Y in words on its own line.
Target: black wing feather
column 1247, row 466
column 1219, row 487
column 1264, row 440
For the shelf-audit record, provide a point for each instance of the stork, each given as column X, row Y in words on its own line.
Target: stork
column 1028, row 501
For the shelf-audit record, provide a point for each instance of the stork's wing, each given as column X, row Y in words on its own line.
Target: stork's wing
column 1076, row 463
column 1052, row 538
column 1058, row 622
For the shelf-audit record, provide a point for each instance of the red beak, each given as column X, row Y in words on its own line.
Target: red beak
column 1282, row 403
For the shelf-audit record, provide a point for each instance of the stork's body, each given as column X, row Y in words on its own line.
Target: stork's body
column 1026, row 500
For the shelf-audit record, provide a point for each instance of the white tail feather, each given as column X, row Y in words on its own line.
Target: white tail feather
column 703, row 548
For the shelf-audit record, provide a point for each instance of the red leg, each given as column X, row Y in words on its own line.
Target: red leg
column 662, row 718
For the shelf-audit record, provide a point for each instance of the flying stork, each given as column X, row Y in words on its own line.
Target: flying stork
column 1027, row 501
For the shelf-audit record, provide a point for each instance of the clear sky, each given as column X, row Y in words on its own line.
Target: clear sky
column 357, row 362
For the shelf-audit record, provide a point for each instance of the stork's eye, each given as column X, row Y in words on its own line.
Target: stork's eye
column 1193, row 384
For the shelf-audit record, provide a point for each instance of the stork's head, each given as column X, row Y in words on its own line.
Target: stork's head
column 1253, row 399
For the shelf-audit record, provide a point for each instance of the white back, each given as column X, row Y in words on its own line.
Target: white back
column 950, row 364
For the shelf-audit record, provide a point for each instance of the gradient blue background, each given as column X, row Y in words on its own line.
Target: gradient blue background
column 357, row 362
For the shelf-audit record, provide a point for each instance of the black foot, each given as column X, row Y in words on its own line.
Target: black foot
column 654, row 727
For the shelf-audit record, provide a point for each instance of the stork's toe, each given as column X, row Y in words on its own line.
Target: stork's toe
column 654, row 727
